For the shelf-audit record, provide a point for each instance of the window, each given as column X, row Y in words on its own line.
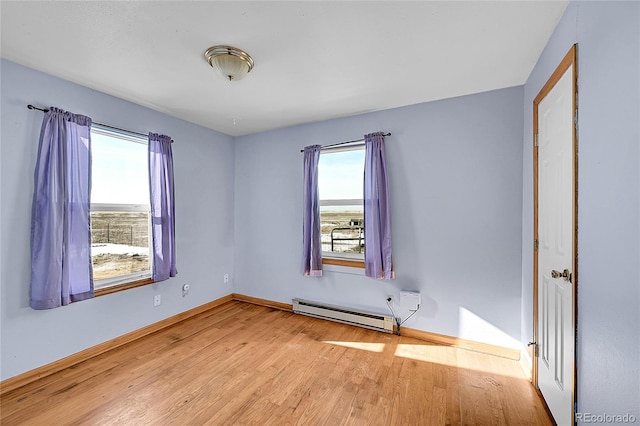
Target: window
column 120, row 213
column 340, row 187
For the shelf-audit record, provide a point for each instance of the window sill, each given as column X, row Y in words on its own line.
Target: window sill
column 121, row 287
column 343, row 262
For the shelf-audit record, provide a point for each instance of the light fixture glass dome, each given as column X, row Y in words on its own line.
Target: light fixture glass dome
column 230, row 62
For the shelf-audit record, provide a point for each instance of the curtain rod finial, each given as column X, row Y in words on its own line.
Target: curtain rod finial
column 36, row 108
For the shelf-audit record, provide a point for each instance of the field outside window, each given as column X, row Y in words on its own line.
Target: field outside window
column 120, row 213
column 340, row 184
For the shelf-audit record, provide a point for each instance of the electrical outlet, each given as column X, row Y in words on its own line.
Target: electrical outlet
column 157, row 300
column 226, row 278
column 389, row 299
column 185, row 290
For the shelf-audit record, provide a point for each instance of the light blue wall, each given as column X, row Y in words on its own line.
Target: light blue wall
column 608, row 339
column 455, row 170
column 204, row 223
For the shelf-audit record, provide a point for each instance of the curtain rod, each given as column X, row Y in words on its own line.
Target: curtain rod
column 99, row 124
column 347, row 142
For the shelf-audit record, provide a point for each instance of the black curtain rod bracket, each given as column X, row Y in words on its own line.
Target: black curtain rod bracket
column 95, row 122
column 346, row 142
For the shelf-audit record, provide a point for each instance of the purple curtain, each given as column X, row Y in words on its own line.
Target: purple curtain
column 312, row 246
column 377, row 217
column 162, row 207
column 61, row 270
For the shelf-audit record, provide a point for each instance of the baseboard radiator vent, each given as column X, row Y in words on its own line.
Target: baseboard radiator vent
column 370, row 320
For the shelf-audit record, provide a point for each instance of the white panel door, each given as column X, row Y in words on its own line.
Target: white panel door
column 555, row 249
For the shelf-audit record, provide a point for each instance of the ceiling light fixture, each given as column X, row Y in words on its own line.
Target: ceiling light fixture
column 230, row 62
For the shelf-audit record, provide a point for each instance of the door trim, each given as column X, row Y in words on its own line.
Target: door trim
column 569, row 60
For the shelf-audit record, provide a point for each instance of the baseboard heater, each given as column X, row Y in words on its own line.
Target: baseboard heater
column 370, row 320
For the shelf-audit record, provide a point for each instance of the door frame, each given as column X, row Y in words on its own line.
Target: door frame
column 569, row 60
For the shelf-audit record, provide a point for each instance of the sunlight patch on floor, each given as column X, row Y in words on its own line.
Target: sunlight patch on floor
column 371, row 347
column 459, row 358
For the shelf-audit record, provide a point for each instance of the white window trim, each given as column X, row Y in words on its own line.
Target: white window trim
column 121, row 279
column 101, row 207
column 355, row 146
column 130, row 137
column 345, row 202
column 342, row 255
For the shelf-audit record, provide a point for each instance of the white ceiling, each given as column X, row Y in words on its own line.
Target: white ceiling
column 314, row 60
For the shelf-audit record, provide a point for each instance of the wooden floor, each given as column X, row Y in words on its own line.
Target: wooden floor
column 246, row 364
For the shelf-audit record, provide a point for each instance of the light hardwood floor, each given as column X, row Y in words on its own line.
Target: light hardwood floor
column 245, row 364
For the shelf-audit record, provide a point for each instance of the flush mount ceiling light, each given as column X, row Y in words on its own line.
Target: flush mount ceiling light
column 230, row 62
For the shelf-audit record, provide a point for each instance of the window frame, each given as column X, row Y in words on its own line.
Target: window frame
column 352, row 260
column 137, row 279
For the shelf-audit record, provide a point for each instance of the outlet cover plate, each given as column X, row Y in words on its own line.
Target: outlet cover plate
column 410, row 300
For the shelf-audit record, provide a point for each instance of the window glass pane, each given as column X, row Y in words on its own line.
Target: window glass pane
column 120, row 219
column 340, row 177
column 119, row 171
column 119, row 243
column 342, row 229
